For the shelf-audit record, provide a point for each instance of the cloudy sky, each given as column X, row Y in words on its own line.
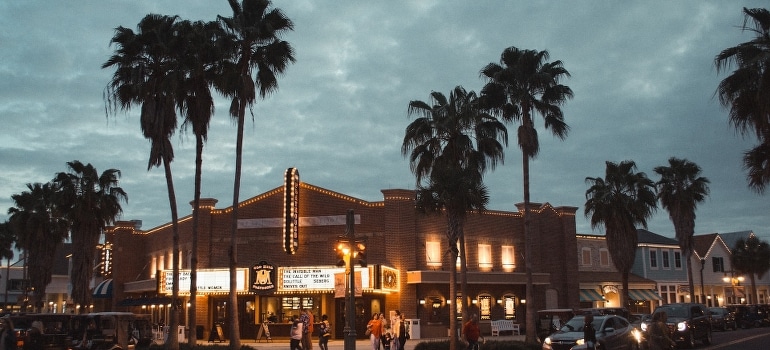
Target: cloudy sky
column 642, row 75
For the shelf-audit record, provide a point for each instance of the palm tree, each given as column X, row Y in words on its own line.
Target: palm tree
column 752, row 257
column 746, row 93
column 450, row 145
column 90, row 202
column 680, row 189
column 148, row 73
column 255, row 31
column 523, row 84
column 7, row 242
column 40, row 230
column 196, row 103
column 620, row 201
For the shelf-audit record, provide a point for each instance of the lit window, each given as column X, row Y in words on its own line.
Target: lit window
column 509, row 258
column 485, row 256
column 433, row 253
column 485, row 307
column 509, row 303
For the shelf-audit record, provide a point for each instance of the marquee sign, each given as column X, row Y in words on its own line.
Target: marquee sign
column 209, row 281
column 295, row 279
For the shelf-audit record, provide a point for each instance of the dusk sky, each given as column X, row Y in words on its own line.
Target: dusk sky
column 642, row 73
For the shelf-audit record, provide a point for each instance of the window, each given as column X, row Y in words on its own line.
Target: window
column 586, row 256
column 433, row 253
column 668, row 293
column 654, row 259
column 677, row 259
column 718, row 263
column 509, row 259
column 485, row 307
column 485, row 256
column 509, row 304
column 666, row 262
column 604, row 257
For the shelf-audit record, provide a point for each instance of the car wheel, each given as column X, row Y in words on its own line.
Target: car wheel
column 707, row 339
column 690, row 340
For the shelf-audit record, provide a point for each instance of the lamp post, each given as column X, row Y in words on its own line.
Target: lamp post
column 347, row 249
column 734, row 281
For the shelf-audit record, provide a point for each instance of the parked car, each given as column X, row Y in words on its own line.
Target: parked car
column 722, row 319
column 748, row 316
column 688, row 322
column 612, row 332
column 550, row 320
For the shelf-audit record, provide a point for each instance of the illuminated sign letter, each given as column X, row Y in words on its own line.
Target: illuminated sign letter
column 291, row 211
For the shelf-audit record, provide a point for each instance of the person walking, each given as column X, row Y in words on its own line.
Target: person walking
column 7, row 334
column 296, row 333
column 304, row 318
column 472, row 332
column 660, row 338
column 589, row 332
column 374, row 327
column 324, row 333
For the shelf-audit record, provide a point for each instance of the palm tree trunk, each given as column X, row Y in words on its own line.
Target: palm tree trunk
column 192, row 321
column 689, row 278
column 531, row 333
column 172, row 343
column 464, row 278
column 452, row 237
column 624, row 295
column 232, row 306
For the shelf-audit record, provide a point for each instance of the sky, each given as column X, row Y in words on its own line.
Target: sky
column 642, row 73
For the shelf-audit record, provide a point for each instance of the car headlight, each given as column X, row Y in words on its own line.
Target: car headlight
column 681, row 326
column 580, row 342
column 637, row 335
column 643, row 326
column 547, row 340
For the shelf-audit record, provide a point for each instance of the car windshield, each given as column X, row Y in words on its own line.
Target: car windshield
column 675, row 311
column 576, row 324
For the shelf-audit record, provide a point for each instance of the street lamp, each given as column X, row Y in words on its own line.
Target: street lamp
column 348, row 248
column 734, row 281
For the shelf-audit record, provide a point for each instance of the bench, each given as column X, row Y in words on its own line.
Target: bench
column 505, row 326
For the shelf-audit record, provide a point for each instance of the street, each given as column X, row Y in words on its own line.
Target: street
column 744, row 339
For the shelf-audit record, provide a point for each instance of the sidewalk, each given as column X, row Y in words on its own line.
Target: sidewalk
column 339, row 344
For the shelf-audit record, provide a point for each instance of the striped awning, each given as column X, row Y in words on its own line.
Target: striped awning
column 643, row 294
column 590, row 295
column 103, row 289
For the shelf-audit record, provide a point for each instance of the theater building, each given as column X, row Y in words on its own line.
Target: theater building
column 286, row 260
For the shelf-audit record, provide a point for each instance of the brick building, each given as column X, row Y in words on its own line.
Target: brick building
column 408, row 267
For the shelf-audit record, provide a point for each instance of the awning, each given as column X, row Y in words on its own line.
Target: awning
column 103, row 289
column 643, row 294
column 590, row 295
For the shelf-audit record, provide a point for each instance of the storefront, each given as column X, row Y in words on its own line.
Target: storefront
column 286, row 240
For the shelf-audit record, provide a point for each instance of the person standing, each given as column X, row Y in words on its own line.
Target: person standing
column 309, row 331
column 296, row 333
column 304, row 319
column 7, row 334
column 402, row 333
column 589, row 332
column 396, row 326
column 374, row 327
column 472, row 332
column 660, row 338
column 325, row 333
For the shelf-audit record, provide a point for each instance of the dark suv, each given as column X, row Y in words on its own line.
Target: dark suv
column 688, row 322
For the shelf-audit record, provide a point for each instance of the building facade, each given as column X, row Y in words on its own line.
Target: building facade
column 286, row 261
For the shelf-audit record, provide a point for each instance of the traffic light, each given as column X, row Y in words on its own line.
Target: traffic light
column 341, row 250
column 361, row 253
